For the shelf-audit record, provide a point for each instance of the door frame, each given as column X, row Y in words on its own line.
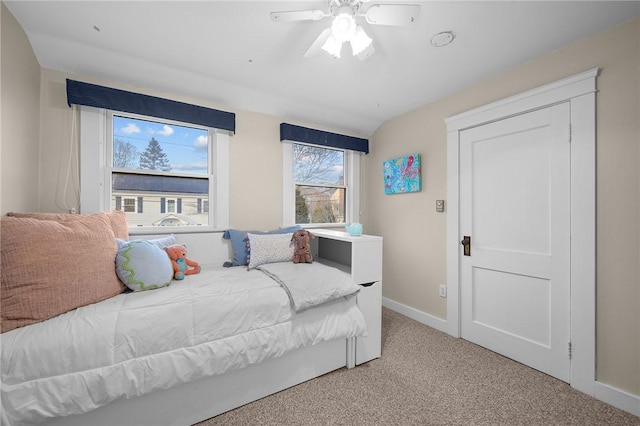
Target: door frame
column 580, row 91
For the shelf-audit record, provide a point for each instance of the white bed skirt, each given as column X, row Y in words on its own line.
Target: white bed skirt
column 200, row 400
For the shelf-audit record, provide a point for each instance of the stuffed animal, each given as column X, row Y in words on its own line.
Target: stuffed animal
column 181, row 265
column 302, row 249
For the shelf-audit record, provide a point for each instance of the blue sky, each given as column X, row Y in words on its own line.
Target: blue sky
column 186, row 147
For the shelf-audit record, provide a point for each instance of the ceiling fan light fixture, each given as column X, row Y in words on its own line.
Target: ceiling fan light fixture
column 360, row 41
column 343, row 27
column 332, row 46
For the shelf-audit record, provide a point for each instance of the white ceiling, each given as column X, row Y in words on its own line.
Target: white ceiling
column 231, row 53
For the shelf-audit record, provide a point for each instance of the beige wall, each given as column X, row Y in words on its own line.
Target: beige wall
column 20, row 87
column 414, row 233
column 414, row 262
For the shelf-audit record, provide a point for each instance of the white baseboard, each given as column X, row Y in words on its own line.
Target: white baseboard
column 413, row 313
column 618, row 398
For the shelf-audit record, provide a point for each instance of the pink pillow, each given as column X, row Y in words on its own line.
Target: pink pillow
column 117, row 219
column 50, row 267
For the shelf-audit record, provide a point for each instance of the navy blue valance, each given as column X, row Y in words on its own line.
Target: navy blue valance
column 87, row 94
column 318, row 137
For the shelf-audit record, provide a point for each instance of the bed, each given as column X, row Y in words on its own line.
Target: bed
column 182, row 353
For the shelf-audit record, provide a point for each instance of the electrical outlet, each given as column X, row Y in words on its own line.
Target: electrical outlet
column 443, row 290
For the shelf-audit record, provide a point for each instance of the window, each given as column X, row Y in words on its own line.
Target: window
column 171, row 206
column 129, row 205
column 164, row 164
column 318, row 175
column 319, row 184
column 160, row 172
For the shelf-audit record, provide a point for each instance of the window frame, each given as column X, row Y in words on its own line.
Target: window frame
column 135, row 204
column 171, row 205
column 96, row 144
column 351, row 185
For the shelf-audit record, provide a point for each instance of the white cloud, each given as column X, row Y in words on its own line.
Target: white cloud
column 130, row 129
column 166, row 130
column 201, row 141
column 190, row 167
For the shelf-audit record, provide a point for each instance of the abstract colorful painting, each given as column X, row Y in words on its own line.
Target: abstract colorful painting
column 402, row 174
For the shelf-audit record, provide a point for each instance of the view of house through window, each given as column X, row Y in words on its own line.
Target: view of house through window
column 161, row 172
column 318, row 174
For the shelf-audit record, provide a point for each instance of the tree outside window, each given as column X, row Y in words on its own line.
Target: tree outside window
column 125, row 155
column 319, row 180
column 154, row 158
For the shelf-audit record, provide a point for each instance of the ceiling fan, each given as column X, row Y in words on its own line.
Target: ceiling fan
column 344, row 26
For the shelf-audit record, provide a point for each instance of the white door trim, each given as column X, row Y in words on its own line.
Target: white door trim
column 580, row 91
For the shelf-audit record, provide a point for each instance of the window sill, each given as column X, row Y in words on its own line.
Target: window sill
column 165, row 230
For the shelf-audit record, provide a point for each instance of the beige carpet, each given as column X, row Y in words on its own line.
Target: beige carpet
column 426, row 377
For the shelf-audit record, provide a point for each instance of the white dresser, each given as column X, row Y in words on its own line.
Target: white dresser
column 362, row 257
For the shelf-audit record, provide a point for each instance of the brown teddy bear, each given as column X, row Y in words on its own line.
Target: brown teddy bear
column 302, row 249
column 181, row 265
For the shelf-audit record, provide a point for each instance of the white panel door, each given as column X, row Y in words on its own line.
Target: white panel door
column 515, row 207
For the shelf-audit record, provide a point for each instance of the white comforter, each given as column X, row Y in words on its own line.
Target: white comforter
column 136, row 343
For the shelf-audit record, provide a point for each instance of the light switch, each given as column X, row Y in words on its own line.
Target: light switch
column 439, row 206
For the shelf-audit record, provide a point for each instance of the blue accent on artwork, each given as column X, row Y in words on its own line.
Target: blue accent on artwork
column 290, row 132
column 92, row 95
column 402, row 174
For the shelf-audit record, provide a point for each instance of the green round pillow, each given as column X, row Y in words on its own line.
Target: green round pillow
column 142, row 265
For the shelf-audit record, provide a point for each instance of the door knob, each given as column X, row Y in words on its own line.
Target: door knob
column 466, row 242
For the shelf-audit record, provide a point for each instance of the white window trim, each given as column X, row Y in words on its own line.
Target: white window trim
column 352, row 182
column 94, row 173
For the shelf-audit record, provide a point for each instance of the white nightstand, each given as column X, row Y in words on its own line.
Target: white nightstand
column 362, row 257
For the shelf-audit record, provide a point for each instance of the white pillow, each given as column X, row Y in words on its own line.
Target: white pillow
column 269, row 249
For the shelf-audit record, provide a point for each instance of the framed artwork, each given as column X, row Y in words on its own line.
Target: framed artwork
column 402, row 174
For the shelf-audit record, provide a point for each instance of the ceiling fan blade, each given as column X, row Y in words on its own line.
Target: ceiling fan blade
column 392, row 14
column 366, row 53
column 317, row 44
column 297, row 15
